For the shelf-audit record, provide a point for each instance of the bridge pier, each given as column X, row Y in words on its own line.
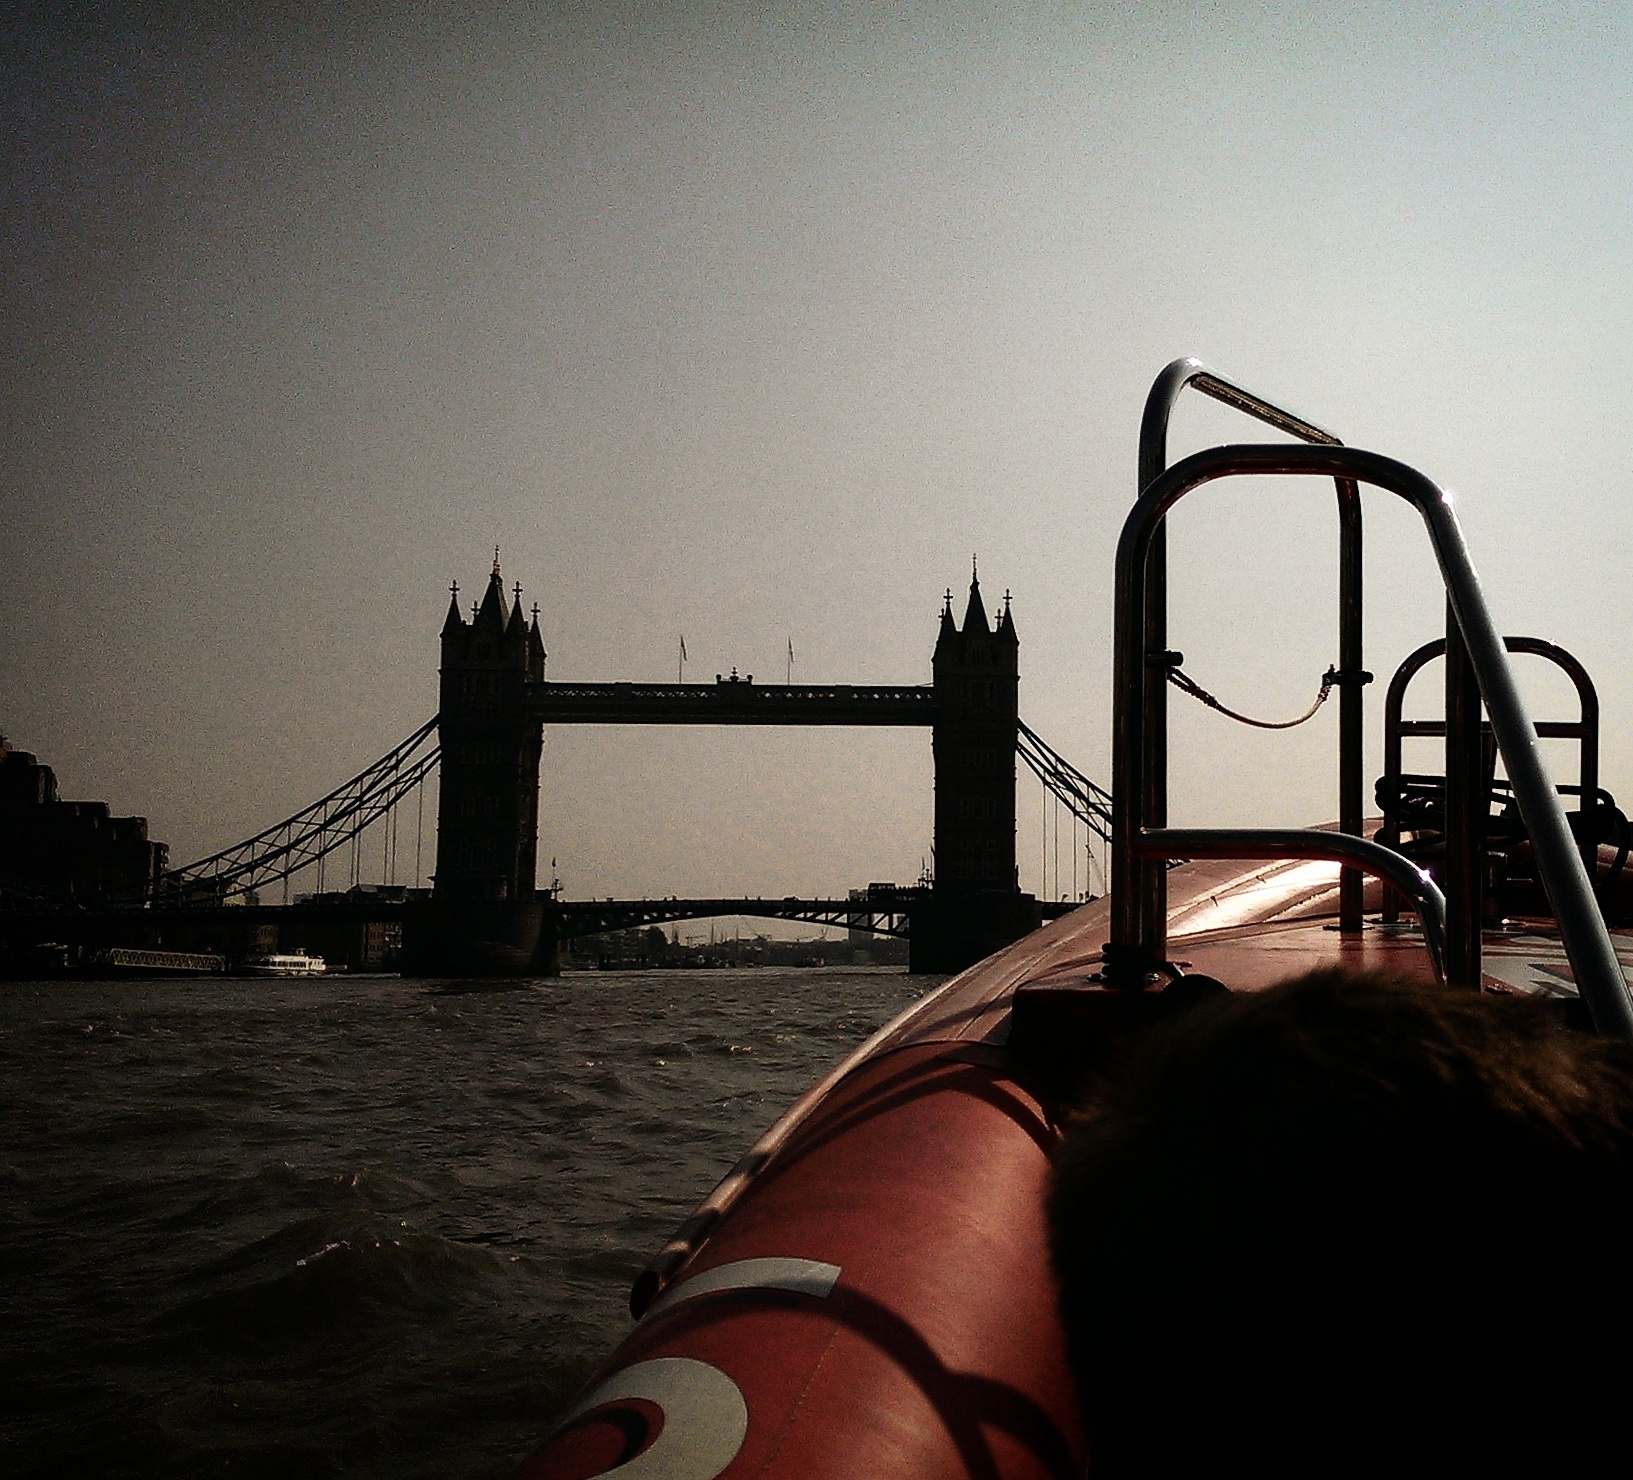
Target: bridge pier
column 481, row 938
column 948, row 932
column 547, row 945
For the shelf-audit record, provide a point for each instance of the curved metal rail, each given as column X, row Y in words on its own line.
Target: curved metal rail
column 1584, row 729
column 315, row 831
column 1139, row 930
column 1294, row 842
column 1351, row 676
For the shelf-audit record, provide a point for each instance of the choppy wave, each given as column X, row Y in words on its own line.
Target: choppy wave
column 370, row 1228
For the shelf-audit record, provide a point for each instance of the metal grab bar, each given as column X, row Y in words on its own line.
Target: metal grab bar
column 1138, row 941
column 1298, row 842
column 1159, row 404
column 1584, row 730
column 1175, row 377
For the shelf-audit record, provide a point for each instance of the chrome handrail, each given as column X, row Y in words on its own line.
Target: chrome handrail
column 1159, row 405
column 1190, row 371
column 1139, row 935
column 1297, row 842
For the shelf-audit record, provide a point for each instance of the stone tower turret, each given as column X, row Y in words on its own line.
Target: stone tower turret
column 488, row 818
column 977, row 682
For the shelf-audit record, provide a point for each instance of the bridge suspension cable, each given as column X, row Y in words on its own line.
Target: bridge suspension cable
column 299, row 841
column 349, row 810
column 1090, row 804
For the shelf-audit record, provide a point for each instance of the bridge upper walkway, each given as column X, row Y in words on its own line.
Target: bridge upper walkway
column 731, row 702
column 879, row 912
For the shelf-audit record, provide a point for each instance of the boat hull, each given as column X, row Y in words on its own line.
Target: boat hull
column 882, row 1304
column 869, row 1292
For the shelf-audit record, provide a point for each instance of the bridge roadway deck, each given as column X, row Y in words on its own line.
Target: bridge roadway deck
column 731, row 702
column 886, row 913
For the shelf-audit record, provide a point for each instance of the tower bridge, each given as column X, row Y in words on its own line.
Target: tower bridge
column 487, row 914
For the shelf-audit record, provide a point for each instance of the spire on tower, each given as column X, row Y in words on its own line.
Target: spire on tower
column 975, row 614
column 493, row 612
column 454, row 622
column 535, row 645
column 1006, row 623
column 949, row 628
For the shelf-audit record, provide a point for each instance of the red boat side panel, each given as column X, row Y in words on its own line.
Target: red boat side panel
column 914, row 1198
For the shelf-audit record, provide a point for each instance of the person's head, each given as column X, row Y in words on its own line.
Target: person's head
column 1354, row 1225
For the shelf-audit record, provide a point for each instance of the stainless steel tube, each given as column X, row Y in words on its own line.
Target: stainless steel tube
column 1148, row 883
column 1293, row 842
column 1466, row 809
column 1587, row 943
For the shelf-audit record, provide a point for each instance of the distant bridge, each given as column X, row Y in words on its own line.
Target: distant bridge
column 879, row 912
column 876, row 912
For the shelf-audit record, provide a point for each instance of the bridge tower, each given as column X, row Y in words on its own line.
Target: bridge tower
column 976, row 671
column 485, row 906
column 977, row 904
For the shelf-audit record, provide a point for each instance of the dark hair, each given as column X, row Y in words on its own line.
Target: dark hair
column 1353, row 1225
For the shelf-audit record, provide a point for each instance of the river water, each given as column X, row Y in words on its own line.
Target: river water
column 361, row 1227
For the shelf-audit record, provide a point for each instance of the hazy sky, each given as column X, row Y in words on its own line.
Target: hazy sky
column 752, row 323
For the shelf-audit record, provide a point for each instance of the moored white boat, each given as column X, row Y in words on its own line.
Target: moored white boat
column 290, row 963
